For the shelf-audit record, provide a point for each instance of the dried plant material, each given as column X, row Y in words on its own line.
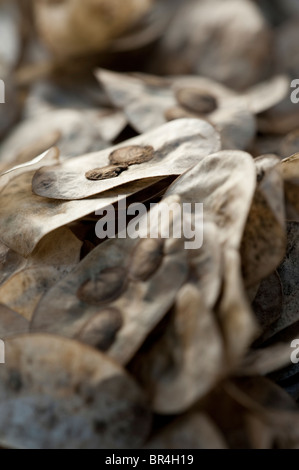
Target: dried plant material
column 132, row 155
column 224, row 183
column 237, row 28
column 267, row 304
column 101, row 330
column 196, row 100
column 290, row 144
column 193, row 431
column 78, row 132
column 10, row 262
column 107, row 286
column 178, row 146
column 73, row 28
column 11, row 323
column 288, row 273
column 274, row 406
column 264, row 242
column 47, row 158
column 279, row 120
column 236, row 319
column 286, row 47
column 74, row 397
column 142, row 304
column 105, row 173
column 28, row 218
column 268, row 94
column 186, row 362
column 52, row 259
column 148, row 104
column 267, row 360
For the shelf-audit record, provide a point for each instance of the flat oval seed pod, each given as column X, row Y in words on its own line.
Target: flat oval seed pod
column 104, row 288
column 186, row 362
column 132, row 155
column 142, row 304
column 264, row 241
column 178, row 145
column 224, row 183
column 28, row 218
column 57, row 393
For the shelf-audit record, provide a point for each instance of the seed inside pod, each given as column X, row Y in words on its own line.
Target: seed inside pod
column 107, row 172
column 100, row 332
column 146, row 259
column 196, row 100
column 177, row 112
column 107, row 286
column 131, row 155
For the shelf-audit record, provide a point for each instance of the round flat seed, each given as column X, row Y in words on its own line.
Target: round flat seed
column 107, row 286
column 101, row 330
column 146, row 259
column 105, row 173
column 196, row 100
column 132, row 155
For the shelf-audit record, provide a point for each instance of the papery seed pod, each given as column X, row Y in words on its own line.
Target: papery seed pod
column 73, row 27
column 228, row 41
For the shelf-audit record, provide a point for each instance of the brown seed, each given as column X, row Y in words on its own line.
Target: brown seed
column 196, row 100
column 132, row 155
column 107, row 286
column 101, row 330
column 146, row 259
column 105, row 173
column 177, row 112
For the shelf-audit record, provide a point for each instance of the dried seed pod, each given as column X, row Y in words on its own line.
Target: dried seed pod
column 132, row 155
column 224, row 182
column 142, row 304
column 148, row 105
column 192, row 431
column 73, row 396
column 75, row 132
column 101, row 330
column 28, row 218
column 237, row 28
column 11, row 323
column 264, row 240
column 290, row 144
column 107, row 172
column 196, row 100
column 178, row 146
column 106, row 286
column 237, row 321
column 71, row 28
column 265, row 361
column 186, row 362
column 289, row 275
column 146, row 259
column 268, row 302
column 53, row 258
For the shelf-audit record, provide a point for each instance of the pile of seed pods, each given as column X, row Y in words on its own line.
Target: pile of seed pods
column 123, row 122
